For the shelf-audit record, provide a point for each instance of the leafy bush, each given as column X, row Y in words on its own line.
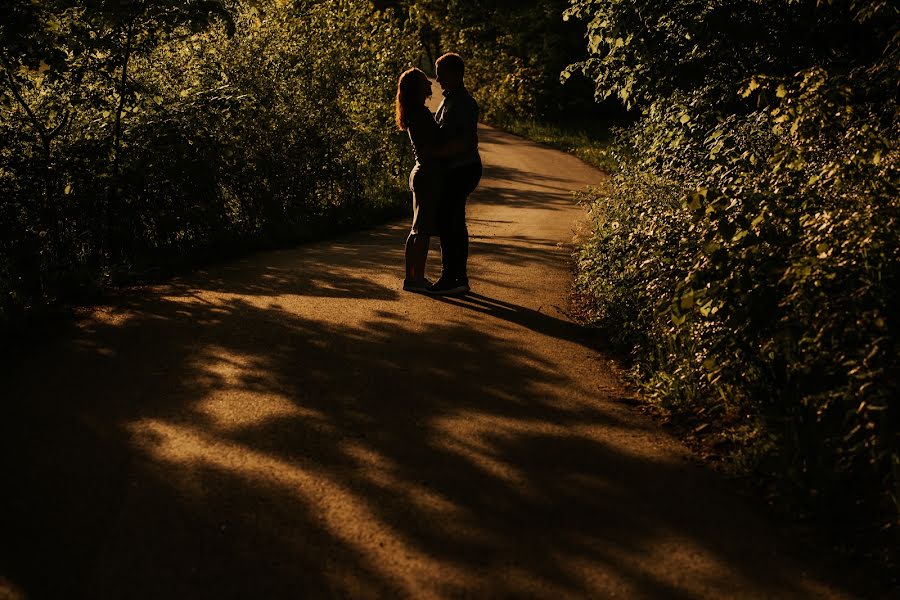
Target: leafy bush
column 750, row 246
column 140, row 133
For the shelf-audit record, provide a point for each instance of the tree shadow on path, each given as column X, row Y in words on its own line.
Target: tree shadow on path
column 182, row 454
column 233, row 435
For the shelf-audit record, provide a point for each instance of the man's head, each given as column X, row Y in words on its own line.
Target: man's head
column 450, row 71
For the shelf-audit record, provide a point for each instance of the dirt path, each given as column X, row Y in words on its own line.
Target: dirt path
column 292, row 425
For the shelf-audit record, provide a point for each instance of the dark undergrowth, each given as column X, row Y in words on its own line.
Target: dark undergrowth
column 34, row 325
column 864, row 556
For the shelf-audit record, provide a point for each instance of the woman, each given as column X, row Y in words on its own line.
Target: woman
column 426, row 178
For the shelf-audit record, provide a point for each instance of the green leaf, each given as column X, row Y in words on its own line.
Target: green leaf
column 711, row 248
column 739, row 235
column 751, row 87
column 758, row 219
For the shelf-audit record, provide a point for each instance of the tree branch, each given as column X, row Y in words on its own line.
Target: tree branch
column 35, row 122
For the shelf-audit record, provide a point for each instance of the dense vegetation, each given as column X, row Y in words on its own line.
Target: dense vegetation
column 749, row 247
column 137, row 133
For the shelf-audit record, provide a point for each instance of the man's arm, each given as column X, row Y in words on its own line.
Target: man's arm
column 443, row 148
column 452, row 146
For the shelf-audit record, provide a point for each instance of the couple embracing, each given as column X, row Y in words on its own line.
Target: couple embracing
column 448, row 169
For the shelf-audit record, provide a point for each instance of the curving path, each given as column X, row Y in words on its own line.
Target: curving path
column 292, row 425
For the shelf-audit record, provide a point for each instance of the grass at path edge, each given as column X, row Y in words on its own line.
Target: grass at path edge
column 589, row 141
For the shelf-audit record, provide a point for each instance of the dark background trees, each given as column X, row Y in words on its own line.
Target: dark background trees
column 515, row 51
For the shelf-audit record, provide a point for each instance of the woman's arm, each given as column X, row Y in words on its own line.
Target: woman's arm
column 449, row 148
column 432, row 141
column 437, row 146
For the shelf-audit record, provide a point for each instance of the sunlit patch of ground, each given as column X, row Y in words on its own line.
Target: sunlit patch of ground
column 342, row 513
column 236, row 404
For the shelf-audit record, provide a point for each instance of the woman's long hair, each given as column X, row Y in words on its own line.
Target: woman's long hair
column 408, row 88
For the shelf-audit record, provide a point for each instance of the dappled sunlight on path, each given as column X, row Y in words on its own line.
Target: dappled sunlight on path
column 293, row 425
column 338, row 511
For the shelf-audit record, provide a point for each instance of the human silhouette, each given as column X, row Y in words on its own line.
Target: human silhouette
column 457, row 117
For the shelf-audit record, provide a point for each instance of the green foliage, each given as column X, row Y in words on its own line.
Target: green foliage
column 750, row 245
column 141, row 132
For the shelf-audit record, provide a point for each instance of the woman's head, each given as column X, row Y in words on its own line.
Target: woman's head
column 412, row 90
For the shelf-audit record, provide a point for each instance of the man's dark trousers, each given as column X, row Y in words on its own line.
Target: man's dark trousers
column 461, row 181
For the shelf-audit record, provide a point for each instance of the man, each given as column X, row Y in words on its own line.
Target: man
column 457, row 117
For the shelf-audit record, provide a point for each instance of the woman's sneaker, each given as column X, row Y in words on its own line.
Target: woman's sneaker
column 446, row 286
column 420, row 286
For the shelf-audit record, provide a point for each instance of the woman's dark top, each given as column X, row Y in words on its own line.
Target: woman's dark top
column 423, row 133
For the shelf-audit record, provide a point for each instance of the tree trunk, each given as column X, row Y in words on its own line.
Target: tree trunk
column 112, row 243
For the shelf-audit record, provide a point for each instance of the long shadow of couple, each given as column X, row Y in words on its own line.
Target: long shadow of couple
column 535, row 320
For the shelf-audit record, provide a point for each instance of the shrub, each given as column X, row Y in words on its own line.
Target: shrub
column 142, row 133
column 749, row 247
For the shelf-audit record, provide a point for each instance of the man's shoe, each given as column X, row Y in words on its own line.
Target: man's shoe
column 449, row 287
column 464, row 282
column 419, row 286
